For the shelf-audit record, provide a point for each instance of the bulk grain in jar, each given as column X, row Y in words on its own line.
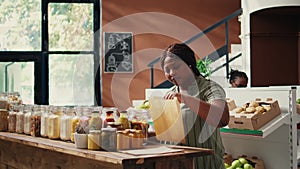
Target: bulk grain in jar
column 75, row 120
column 3, row 120
column 94, row 140
column 20, row 119
column 12, row 118
column 95, row 123
column 136, row 139
column 66, row 124
column 13, row 98
column 27, row 119
column 109, row 139
column 3, row 101
column 3, row 112
column 36, row 121
column 139, row 119
column 54, row 122
column 123, row 140
column 44, row 120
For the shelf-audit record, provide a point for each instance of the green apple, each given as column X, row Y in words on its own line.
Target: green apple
column 226, row 165
column 298, row 100
column 238, row 168
column 236, row 163
column 243, row 160
column 248, row 166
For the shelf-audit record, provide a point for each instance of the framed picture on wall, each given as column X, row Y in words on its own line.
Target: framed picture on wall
column 118, row 52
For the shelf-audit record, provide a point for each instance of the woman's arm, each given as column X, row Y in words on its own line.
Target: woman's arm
column 215, row 113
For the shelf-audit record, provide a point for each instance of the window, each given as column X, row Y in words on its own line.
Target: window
column 49, row 50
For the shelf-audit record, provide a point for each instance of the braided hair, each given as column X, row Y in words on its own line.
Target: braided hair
column 236, row 73
column 182, row 51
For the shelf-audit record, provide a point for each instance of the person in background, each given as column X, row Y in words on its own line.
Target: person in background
column 203, row 104
column 238, row 78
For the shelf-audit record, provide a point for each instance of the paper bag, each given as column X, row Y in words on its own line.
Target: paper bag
column 167, row 119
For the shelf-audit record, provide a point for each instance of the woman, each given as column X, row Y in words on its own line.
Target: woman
column 204, row 107
column 238, row 78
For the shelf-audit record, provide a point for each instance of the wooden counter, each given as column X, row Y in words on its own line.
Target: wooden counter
column 22, row 151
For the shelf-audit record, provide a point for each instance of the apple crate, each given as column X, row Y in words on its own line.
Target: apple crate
column 254, row 161
column 254, row 121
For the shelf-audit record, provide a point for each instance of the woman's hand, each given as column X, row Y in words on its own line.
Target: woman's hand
column 172, row 95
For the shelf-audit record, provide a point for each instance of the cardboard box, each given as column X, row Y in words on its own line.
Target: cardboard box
column 298, row 108
column 231, row 104
column 253, row 121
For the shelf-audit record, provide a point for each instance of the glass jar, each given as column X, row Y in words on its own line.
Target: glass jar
column 27, row 119
column 3, row 96
column 3, row 120
column 123, row 140
column 110, row 114
column 20, row 119
column 137, row 139
column 12, row 118
column 75, row 120
column 109, row 139
column 123, row 119
column 36, row 121
column 13, row 98
column 3, row 112
column 44, row 120
column 95, row 123
column 3, row 101
column 94, row 140
column 66, row 124
column 53, row 128
column 84, row 118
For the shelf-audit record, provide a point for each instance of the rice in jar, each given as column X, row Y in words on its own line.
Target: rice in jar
column 44, row 120
column 54, row 122
column 27, row 119
column 12, row 119
column 66, row 124
column 20, row 120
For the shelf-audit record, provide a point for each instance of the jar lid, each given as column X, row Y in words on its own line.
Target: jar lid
column 95, row 131
column 109, row 129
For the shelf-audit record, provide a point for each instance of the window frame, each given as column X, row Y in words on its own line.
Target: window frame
column 41, row 58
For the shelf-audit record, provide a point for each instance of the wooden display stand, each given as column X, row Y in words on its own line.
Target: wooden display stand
column 22, row 151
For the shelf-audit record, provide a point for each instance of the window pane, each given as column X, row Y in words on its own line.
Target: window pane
column 19, row 77
column 71, row 79
column 70, row 27
column 20, row 25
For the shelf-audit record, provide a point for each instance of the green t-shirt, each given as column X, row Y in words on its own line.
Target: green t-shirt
column 198, row 132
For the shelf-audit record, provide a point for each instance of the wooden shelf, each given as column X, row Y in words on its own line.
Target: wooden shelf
column 263, row 132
